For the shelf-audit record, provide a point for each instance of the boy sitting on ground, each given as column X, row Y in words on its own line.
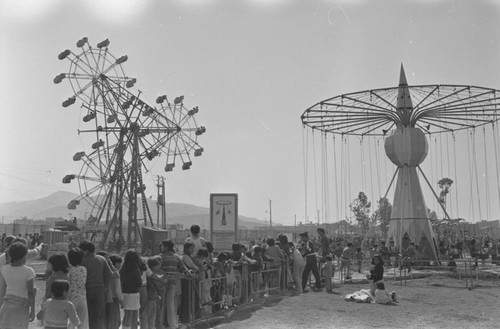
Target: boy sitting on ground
column 382, row 296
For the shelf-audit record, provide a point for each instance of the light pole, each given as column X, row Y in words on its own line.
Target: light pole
column 270, row 214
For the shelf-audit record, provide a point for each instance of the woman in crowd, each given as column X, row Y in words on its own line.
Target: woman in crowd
column 58, row 265
column 77, row 293
column 190, row 265
column 113, row 308
column 130, row 279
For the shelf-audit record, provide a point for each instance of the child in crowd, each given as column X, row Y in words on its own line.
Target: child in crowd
column 328, row 270
column 171, row 267
column 130, row 279
column 358, row 256
column 255, row 274
column 376, row 272
column 113, row 308
column 17, row 293
column 453, row 253
column 394, row 254
column 58, row 265
column 58, row 310
column 143, row 293
column 77, row 293
column 382, row 296
column 205, row 274
column 298, row 265
column 155, row 291
column 485, row 252
column 346, row 258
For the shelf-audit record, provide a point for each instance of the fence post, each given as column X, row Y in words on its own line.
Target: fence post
column 244, row 283
column 192, row 299
column 284, row 276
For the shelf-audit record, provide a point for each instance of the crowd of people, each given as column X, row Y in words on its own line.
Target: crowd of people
column 32, row 240
column 87, row 288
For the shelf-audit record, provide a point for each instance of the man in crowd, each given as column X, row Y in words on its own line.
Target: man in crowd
column 384, row 252
column 98, row 275
column 196, row 239
column 324, row 242
column 306, row 248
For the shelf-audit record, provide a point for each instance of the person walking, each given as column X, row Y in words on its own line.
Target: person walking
column 306, row 248
column 346, row 259
column 324, row 242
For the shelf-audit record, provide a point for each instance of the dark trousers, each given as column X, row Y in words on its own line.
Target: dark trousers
column 311, row 265
column 143, row 295
column 96, row 304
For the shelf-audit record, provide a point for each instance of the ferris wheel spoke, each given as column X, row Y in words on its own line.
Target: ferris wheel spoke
column 78, row 65
column 90, row 165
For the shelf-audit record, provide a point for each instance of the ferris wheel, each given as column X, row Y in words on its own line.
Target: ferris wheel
column 127, row 133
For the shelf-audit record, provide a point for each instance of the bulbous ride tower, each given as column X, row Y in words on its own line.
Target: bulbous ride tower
column 404, row 115
column 407, row 147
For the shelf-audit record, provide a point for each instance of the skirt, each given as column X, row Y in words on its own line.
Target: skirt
column 14, row 313
column 131, row 302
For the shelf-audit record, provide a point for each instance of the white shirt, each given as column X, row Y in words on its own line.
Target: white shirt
column 198, row 242
column 15, row 278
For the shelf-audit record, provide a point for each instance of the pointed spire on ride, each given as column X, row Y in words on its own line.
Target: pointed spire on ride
column 404, row 104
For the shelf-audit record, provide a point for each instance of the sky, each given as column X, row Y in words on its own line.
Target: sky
column 252, row 67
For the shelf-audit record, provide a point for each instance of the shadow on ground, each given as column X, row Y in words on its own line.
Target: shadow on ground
column 239, row 313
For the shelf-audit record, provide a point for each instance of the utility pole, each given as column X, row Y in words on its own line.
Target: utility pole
column 270, row 214
column 160, row 203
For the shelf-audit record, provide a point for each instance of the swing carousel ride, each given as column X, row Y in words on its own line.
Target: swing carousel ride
column 127, row 136
column 406, row 118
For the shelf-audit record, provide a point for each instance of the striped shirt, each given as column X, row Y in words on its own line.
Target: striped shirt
column 171, row 265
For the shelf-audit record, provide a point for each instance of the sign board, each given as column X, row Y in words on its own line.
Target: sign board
column 223, row 220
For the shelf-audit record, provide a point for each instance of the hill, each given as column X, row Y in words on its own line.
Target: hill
column 55, row 205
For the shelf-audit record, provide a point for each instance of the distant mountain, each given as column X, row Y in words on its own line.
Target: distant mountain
column 56, row 205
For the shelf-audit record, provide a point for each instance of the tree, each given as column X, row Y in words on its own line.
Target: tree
column 382, row 216
column 432, row 216
column 444, row 184
column 360, row 207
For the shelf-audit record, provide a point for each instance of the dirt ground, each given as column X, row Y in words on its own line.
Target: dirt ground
column 431, row 302
column 435, row 302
